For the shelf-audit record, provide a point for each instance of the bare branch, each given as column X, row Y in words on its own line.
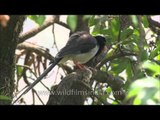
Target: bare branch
column 38, row 96
column 26, row 66
column 36, row 30
column 33, row 97
column 54, row 39
column 154, row 25
column 35, row 48
column 62, row 24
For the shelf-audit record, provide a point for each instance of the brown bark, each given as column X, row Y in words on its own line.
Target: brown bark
column 72, row 89
column 75, row 87
column 8, row 44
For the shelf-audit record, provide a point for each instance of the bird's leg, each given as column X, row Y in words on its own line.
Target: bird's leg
column 80, row 66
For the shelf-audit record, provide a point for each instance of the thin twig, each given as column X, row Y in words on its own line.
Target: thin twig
column 20, row 90
column 54, row 38
column 33, row 97
column 26, row 66
column 36, row 30
column 62, row 24
column 56, row 76
column 38, row 96
column 154, row 25
column 35, row 48
column 34, row 75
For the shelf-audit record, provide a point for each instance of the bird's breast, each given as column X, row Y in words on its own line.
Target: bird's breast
column 84, row 57
column 81, row 57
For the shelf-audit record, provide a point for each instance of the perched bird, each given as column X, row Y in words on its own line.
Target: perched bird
column 80, row 48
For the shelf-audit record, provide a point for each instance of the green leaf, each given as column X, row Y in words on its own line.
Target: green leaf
column 157, row 57
column 134, row 20
column 126, row 33
column 2, row 97
column 91, row 21
column 72, row 22
column 119, row 65
column 145, row 21
column 148, row 94
column 136, row 36
column 114, row 103
column 149, row 72
column 131, row 46
column 145, row 95
column 140, row 74
column 109, row 90
column 115, row 26
column 19, row 71
column 96, row 30
column 129, row 72
column 144, row 91
column 133, row 92
column 151, row 66
column 137, row 101
column 39, row 19
column 86, row 17
column 110, row 53
column 143, row 55
column 103, row 68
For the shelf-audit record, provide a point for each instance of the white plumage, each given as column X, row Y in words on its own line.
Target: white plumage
column 82, row 57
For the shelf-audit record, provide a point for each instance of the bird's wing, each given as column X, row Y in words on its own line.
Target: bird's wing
column 80, row 42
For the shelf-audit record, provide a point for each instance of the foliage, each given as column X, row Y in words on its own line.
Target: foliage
column 2, row 97
column 139, row 68
column 131, row 56
column 145, row 91
column 39, row 19
column 72, row 22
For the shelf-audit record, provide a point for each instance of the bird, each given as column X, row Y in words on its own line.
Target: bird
column 81, row 47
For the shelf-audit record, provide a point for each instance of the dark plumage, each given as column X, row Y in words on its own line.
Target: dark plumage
column 81, row 47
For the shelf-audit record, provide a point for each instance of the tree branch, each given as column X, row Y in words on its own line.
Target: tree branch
column 35, row 48
column 114, row 82
column 71, row 91
column 75, row 87
column 113, row 57
column 62, row 24
column 154, row 25
column 36, row 30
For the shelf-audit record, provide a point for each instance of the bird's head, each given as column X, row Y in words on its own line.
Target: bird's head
column 101, row 42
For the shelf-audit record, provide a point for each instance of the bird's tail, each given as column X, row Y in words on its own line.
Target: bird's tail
column 52, row 65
